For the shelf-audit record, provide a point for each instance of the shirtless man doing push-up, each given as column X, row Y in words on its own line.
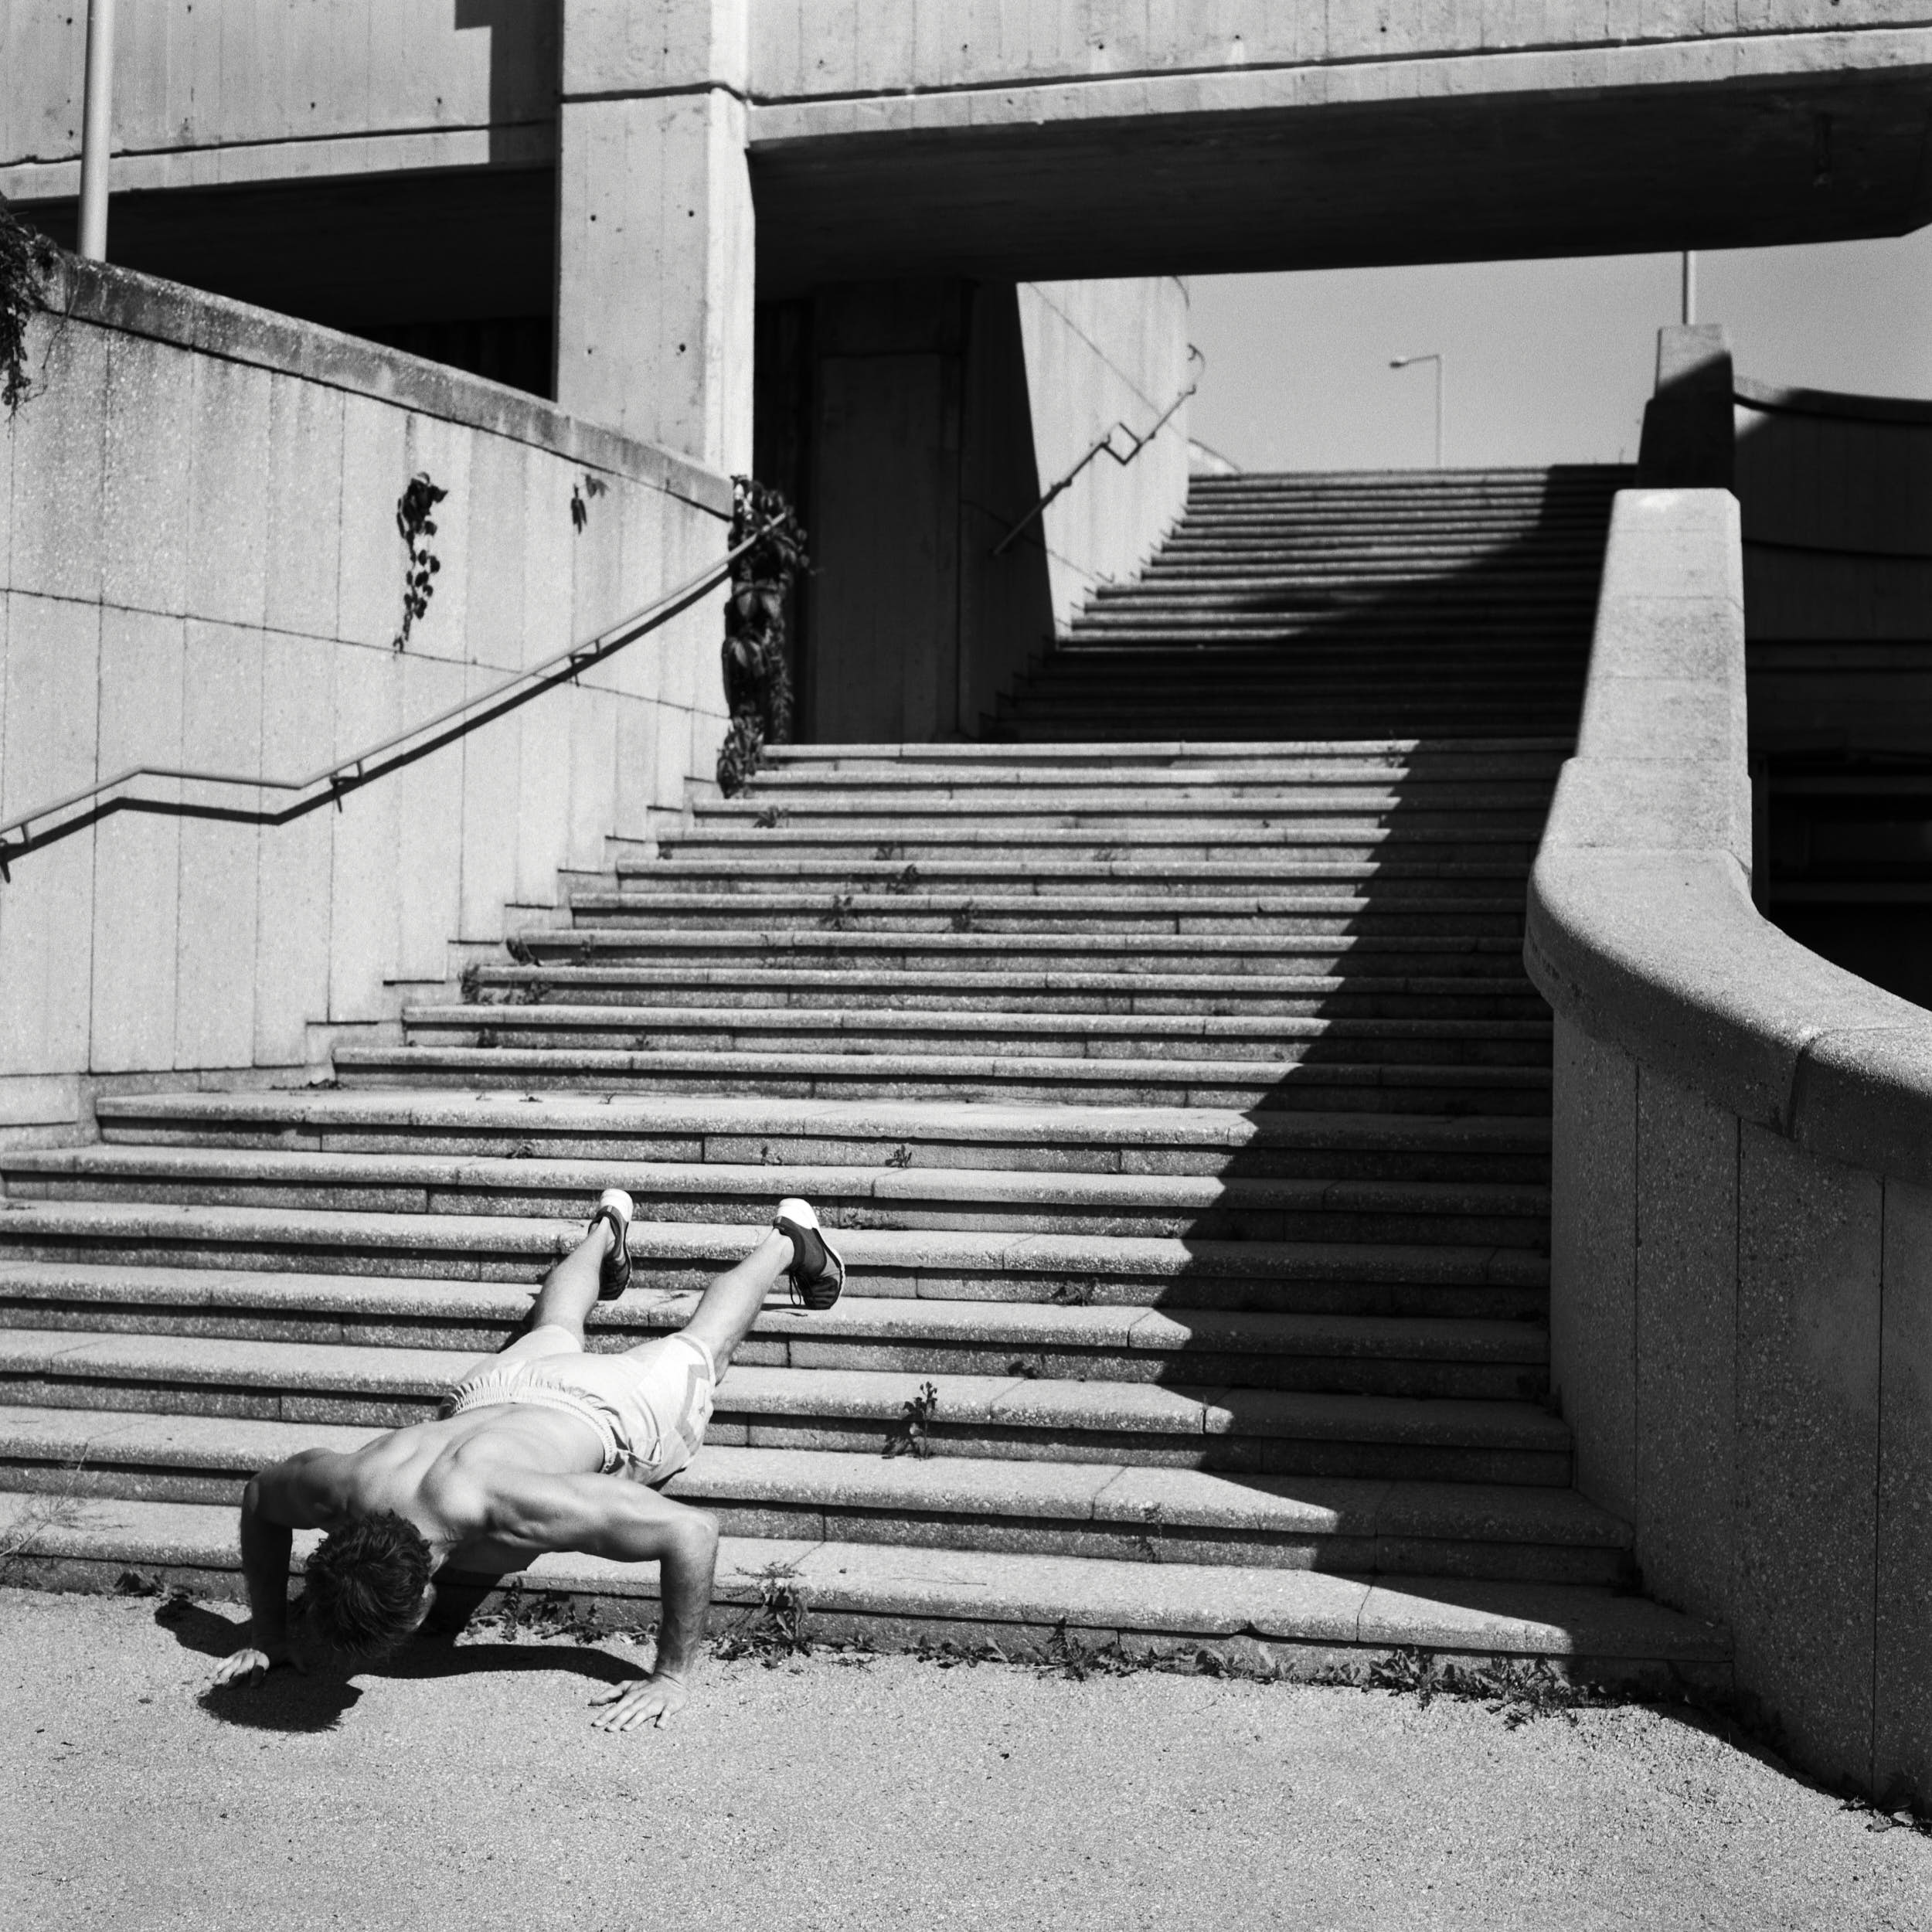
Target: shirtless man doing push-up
column 539, row 1447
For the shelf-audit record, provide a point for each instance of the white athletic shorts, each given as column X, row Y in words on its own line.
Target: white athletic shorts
column 650, row 1405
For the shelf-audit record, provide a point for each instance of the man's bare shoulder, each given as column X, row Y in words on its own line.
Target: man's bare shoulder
column 303, row 1491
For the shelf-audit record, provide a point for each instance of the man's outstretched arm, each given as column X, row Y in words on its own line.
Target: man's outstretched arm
column 275, row 1504
column 606, row 1516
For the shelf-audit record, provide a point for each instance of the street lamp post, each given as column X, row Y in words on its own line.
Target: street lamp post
column 96, row 129
column 1435, row 356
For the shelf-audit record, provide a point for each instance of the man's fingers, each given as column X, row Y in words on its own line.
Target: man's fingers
column 631, row 1710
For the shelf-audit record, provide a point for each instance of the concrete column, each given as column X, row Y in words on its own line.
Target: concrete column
column 655, row 265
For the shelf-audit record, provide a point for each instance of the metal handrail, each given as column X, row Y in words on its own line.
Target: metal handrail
column 335, row 782
column 1136, row 444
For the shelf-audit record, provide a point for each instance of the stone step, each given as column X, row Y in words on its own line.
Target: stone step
column 751, row 871
column 897, row 1596
column 1266, row 1039
column 1521, row 807
column 1338, row 1085
column 1259, row 797
column 1445, row 558
column 1121, row 1512
column 1361, row 613
column 1471, row 1359
column 1312, row 685
column 910, row 773
column 1519, row 584
column 1001, row 1416
column 1255, row 1277
column 1301, row 674
column 1019, row 723
column 1236, row 1432
column 977, row 1199
column 1482, row 1314
column 908, row 1134
column 1177, row 751
column 1399, row 843
column 1171, row 752
column 916, row 910
column 1304, row 995
column 1271, row 954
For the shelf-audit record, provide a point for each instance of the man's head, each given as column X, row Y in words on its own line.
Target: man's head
column 368, row 1586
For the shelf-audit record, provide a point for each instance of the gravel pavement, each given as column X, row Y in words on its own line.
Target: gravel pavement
column 466, row 1786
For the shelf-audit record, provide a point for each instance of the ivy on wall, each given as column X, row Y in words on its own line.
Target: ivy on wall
column 757, row 680
column 26, row 259
column 416, row 525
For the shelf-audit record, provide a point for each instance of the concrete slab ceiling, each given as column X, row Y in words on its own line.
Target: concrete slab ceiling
column 1715, row 163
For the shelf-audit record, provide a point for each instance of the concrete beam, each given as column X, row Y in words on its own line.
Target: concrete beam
column 655, row 232
column 1706, row 141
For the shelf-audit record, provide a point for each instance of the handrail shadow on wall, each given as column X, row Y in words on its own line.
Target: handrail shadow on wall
column 335, row 782
column 1105, row 447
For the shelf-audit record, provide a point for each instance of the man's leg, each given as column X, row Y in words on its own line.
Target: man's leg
column 569, row 1291
column 566, row 1296
column 730, row 1305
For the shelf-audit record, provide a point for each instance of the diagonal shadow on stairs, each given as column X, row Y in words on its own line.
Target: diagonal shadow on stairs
column 1398, row 1167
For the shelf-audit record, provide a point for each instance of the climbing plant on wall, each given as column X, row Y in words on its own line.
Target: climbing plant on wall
column 416, row 525
column 757, row 681
column 26, row 258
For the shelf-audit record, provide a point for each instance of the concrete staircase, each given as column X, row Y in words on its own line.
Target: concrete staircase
column 1370, row 604
column 1184, row 1109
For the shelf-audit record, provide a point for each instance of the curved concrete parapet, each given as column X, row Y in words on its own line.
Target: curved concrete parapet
column 1742, row 1232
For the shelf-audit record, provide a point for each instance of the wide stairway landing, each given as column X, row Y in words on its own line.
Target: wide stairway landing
column 1182, row 1111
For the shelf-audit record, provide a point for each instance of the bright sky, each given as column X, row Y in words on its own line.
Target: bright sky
column 1547, row 361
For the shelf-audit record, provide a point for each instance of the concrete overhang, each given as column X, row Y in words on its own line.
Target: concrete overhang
column 1707, row 142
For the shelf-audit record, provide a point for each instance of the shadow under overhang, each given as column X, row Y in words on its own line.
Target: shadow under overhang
column 1470, row 178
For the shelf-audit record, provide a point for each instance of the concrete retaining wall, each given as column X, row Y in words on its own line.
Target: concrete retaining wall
column 1099, row 353
column 1741, row 1318
column 939, row 412
column 201, row 567
column 1837, row 492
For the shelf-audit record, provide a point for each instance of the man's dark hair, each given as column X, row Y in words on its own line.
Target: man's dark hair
column 366, row 1585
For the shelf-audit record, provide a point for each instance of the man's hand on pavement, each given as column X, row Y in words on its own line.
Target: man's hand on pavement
column 249, row 1665
column 654, row 1700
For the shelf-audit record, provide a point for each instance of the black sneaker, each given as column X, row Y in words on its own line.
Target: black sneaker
column 818, row 1272
column 615, row 1206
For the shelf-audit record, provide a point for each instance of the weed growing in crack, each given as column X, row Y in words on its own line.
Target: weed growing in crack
column 1893, row 1812
column 43, row 1514
column 1065, row 1656
column 774, row 1628
column 770, row 818
column 911, row 1435
column 1517, row 1689
column 841, row 919
column 1072, row 1294
column 901, row 1156
column 905, row 881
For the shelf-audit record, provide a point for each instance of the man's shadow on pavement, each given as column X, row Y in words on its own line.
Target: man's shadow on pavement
column 292, row 1701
